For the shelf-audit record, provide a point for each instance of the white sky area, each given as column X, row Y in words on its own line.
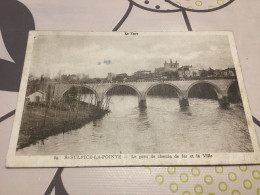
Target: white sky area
column 81, row 54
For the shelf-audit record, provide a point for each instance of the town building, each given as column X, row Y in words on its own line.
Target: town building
column 110, row 76
column 159, row 70
column 217, row 73
column 120, row 77
column 229, row 72
column 188, row 71
column 184, row 71
column 142, row 72
column 168, row 67
column 194, row 72
column 171, row 67
column 38, row 96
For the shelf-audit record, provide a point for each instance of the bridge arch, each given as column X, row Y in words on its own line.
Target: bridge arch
column 178, row 91
column 141, row 101
column 234, row 82
column 76, row 86
column 215, row 87
column 233, row 92
column 124, row 85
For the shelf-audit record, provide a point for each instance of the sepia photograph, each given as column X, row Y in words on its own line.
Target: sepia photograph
column 116, row 95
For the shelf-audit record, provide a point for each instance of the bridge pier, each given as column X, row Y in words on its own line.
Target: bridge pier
column 184, row 102
column 142, row 103
column 221, row 87
column 99, row 104
column 224, row 102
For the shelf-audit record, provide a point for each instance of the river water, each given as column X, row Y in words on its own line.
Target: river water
column 162, row 127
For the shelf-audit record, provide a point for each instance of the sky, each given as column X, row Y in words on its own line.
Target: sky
column 68, row 54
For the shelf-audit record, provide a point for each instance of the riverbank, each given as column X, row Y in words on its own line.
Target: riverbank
column 39, row 122
column 161, row 128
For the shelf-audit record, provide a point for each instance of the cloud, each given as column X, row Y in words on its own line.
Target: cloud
column 79, row 54
column 192, row 55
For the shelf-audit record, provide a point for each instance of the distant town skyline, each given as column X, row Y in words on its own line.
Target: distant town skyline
column 96, row 56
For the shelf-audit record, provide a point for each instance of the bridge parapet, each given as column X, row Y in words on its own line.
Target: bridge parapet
column 182, row 88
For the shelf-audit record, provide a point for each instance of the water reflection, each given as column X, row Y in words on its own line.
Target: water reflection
column 163, row 127
column 97, row 122
column 186, row 111
column 143, row 123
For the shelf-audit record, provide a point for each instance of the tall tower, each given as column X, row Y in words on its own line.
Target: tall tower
column 165, row 63
column 41, row 87
column 176, row 65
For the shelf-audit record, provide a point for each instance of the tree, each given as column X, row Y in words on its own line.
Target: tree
column 210, row 72
column 204, row 73
column 73, row 92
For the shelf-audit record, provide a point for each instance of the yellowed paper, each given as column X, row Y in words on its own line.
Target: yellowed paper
column 131, row 99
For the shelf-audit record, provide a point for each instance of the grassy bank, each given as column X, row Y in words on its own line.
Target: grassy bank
column 39, row 122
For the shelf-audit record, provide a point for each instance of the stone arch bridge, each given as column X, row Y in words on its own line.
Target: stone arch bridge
column 220, row 86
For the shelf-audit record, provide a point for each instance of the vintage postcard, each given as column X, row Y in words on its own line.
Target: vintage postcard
column 132, row 99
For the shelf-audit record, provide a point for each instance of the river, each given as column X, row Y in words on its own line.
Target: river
column 162, row 127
